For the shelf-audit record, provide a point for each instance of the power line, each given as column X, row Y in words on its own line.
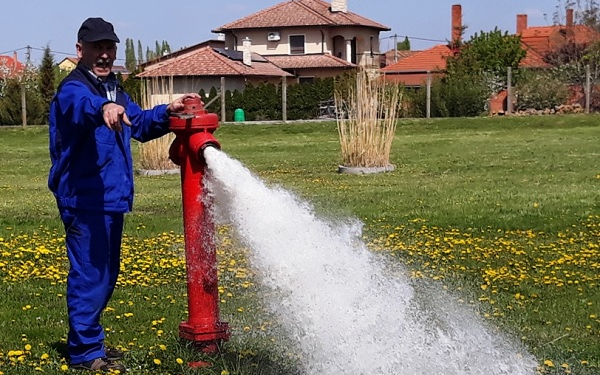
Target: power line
column 412, row 37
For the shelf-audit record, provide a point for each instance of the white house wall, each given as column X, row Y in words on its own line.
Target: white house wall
column 316, row 41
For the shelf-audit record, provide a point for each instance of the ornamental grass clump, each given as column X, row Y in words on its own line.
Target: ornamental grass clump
column 367, row 109
column 154, row 155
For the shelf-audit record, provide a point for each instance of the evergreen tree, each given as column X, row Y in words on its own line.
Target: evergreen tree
column 149, row 54
column 166, row 49
column 10, row 104
column 130, row 62
column 140, row 52
column 404, row 45
column 46, row 80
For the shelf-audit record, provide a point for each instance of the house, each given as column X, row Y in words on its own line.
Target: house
column 413, row 70
column 308, row 38
column 393, row 56
column 69, row 63
column 202, row 67
column 10, row 67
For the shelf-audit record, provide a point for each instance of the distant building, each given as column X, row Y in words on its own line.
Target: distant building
column 10, row 67
column 69, row 63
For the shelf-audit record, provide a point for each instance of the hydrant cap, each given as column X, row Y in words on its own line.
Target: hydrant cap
column 193, row 105
column 194, row 117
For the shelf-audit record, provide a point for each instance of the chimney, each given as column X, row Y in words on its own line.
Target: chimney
column 569, row 17
column 456, row 24
column 521, row 23
column 246, row 54
column 339, row 6
column 15, row 56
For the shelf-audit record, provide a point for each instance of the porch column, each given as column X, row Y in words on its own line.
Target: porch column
column 349, row 50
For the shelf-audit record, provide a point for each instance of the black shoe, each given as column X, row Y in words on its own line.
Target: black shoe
column 113, row 354
column 100, row 364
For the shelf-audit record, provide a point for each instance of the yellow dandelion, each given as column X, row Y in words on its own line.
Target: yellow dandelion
column 548, row 363
column 45, row 356
column 27, row 347
column 179, row 361
column 157, row 361
column 224, row 372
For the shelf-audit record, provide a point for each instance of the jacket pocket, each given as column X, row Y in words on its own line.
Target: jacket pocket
column 105, row 136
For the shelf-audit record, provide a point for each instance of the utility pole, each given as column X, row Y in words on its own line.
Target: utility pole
column 23, row 87
column 395, row 48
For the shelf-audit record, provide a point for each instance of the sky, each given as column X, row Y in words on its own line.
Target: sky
column 54, row 23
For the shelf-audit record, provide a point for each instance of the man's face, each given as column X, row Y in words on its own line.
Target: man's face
column 98, row 56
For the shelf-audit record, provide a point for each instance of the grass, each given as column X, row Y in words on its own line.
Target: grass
column 503, row 211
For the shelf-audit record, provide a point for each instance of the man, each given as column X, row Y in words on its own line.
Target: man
column 91, row 123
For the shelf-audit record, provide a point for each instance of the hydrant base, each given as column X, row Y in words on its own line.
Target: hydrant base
column 204, row 334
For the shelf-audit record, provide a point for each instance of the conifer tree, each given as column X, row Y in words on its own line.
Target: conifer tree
column 130, row 62
column 140, row 52
column 46, row 80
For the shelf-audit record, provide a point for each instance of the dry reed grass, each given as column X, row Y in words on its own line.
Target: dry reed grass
column 154, row 155
column 367, row 112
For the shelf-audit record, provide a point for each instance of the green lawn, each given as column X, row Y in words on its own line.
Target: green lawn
column 503, row 211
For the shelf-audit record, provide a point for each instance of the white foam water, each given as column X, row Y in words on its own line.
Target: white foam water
column 347, row 309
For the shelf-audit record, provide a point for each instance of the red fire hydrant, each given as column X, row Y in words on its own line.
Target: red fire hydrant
column 193, row 129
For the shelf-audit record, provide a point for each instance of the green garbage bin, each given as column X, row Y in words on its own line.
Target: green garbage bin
column 238, row 115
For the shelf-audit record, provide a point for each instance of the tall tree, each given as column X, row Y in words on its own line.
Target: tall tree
column 140, row 52
column 488, row 54
column 46, row 79
column 130, row 62
column 404, row 45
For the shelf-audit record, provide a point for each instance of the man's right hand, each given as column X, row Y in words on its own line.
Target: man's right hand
column 114, row 115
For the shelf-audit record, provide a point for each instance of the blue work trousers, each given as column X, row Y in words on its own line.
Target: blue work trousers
column 93, row 241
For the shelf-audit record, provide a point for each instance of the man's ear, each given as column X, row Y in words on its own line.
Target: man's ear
column 78, row 48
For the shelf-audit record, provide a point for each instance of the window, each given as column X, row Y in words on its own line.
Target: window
column 296, row 44
column 306, row 80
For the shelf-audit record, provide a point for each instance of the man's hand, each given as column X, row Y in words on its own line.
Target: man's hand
column 177, row 105
column 114, row 115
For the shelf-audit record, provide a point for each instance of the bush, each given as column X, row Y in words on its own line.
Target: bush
column 540, row 90
column 459, row 95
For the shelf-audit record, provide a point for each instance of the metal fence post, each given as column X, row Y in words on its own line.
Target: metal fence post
column 223, row 107
column 428, row 94
column 284, row 98
column 509, row 92
column 588, row 89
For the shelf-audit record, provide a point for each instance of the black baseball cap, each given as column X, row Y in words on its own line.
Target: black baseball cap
column 95, row 29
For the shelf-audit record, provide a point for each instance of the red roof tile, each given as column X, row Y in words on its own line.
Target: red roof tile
column 433, row 59
column 547, row 38
column 206, row 61
column 308, row 61
column 392, row 57
column 300, row 13
column 10, row 67
column 532, row 59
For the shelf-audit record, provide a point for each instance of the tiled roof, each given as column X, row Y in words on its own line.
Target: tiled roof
column 10, row 67
column 410, row 79
column 207, row 43
column 547, row 38
column 300, row 13
column 433, row 59
column 391, row 56
column 308, row 61
column 532, row 59
column 207, row 61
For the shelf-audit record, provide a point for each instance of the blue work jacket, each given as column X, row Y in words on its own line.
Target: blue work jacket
column 92, row 167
